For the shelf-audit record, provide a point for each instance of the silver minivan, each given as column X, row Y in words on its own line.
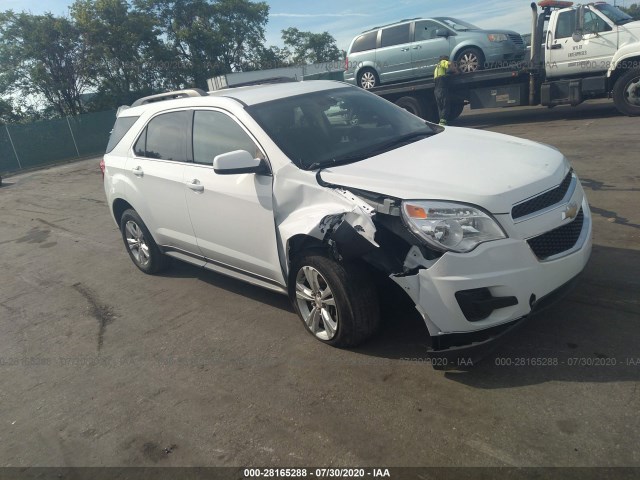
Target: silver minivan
column 411, row 48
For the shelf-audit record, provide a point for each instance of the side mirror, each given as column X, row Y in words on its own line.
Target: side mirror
column 578, row 33
column 441, row 32
column 238, row 161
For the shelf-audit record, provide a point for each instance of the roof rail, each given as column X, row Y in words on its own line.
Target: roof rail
column 394, row 23
column 191, row 92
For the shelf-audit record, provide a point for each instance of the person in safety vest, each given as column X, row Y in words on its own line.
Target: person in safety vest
column 441, row 91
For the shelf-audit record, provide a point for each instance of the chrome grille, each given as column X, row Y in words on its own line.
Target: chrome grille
column 517, row 39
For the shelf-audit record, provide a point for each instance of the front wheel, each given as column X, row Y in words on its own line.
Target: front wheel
column 336, row 301
column 626, row 93
column 470, row 60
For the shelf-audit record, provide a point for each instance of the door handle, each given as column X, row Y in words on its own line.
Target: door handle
column 138, row 172
column 417, row 47
column 556, row 46
column 404, row 49
column 195, row 185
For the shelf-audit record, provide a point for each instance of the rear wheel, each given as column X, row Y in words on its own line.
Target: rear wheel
column 142, row 249
column 470, row 60
column 336, row 301
column 626, row 93
column 368, row 78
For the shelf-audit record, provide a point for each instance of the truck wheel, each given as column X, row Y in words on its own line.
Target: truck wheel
column 456, row 109
column 336, row 301
column 470, row 60
column 411, row 105
column 626, row 93
column 368, row 78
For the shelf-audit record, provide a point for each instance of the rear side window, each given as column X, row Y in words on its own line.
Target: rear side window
column 395, row 35
column 365, row 42
column 120, row 129
column 164, row 138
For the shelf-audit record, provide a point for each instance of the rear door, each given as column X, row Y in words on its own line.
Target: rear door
column 427, row 47
column 156, row 171
column 393, row 58
column 232, row 215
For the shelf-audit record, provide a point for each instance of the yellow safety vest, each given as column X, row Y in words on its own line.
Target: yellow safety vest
column 441, row 69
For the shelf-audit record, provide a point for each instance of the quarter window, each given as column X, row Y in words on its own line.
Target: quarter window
column 365, row 42
column 395, row 35
column 215, row 133
column 164, row 138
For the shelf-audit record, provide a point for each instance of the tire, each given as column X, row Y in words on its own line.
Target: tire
column 411, row 105
column 368, row 78
column 337, row 302
column 626, row 93
column 470, row 59
column 140, row 245
column 455, row 110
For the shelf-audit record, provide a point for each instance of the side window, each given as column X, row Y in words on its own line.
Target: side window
column 365, row 42
column 594, row 24
column 165, row 138
column 215, row 133
column 566, row 24
column 426, row 30
column 395, row 35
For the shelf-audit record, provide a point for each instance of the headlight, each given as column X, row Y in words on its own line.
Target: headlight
column 448, row 226
column 497, row 37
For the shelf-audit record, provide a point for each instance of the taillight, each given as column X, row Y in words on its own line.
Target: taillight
column 102, row 167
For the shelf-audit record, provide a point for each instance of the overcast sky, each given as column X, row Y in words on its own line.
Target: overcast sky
column 345, row 19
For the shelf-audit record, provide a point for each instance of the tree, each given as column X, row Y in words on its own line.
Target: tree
column 123, row 48
column 311, row 47
column 633, row 10
column 208, row 38
column 43, row 55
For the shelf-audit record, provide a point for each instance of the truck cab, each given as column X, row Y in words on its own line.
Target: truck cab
column 585, row 40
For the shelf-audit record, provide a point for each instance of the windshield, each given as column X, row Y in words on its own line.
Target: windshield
column 337, row 126
column 614, row 14
column 456, row 24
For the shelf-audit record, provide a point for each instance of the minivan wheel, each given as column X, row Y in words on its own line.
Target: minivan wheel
column 143, row 250
column 470, row 60
column 336, row 301
column 368, row 78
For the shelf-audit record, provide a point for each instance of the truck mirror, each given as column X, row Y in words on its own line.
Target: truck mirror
column 579, row 30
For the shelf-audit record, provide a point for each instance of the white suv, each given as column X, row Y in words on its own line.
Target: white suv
column 306, row 188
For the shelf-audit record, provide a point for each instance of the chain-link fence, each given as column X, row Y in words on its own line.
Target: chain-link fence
column 52, row 141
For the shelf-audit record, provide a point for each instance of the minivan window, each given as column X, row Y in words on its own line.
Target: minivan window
column 426, row 30
column 215, row 133
column 459, row 25
column 120, row 129
column 339, row 126
column 395, row 35
column 165, row 138
column 365, row 42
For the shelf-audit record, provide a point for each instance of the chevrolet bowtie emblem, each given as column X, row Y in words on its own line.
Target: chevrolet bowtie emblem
column 571, row 211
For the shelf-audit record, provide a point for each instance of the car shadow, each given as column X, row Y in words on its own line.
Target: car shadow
column 515, row 115
column 591, row 335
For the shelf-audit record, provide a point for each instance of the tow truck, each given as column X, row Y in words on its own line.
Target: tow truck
column 578, row 52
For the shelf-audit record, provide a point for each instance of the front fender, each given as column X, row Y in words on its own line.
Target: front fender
column 624, row 54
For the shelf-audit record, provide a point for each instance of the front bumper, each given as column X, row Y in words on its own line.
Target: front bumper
column 512, row 280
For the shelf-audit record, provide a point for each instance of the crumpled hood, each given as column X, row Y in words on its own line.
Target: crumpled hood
column 491, row 170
